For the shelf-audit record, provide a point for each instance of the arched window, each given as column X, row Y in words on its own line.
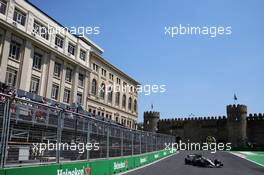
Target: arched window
column 94, row 87
column 102, row 91
column 130, row 103
column 117, row 99
column 124, row 101
column 135, row 105
column 110, row 94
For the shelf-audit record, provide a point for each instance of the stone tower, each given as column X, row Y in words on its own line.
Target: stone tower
column 151, row 120
column 237, row 124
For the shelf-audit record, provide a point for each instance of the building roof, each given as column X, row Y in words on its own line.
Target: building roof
column 115, row 68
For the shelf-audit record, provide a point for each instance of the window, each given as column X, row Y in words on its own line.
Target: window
column 34, row 87
column 14, row 51
column 55, row 92
column 57, row 69
column 124, row 84
column 79, row 98
column 130, row 103
column 103, row 72
column 117, row 99
column 124, row 101
column 11, row 76
column 82, row 55
column 71, row 49
column 95, row 67
column 68, row 76
column 111, row 76
column 81, row 80
column 59, row 41
column 37, row 61
column 117, row 119
column 135, row 90
column 94, row 87
column 102, row 91
column 66, row 96
column 118, row 81
column 19, row 17
column 135, row 105
column 110, row 95
column 124, row 87
column 41, row 30
column 2, row 7
column 123, row 121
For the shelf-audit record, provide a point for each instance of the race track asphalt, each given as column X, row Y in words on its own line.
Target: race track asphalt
column 175, row 165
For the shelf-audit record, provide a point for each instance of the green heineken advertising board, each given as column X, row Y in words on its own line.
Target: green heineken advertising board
column 94, row 167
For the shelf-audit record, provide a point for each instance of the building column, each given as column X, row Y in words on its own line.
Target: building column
column 26, row 69
column 49, row 69
column 5, row 55
column 86, row 89
column 44, row 76
column 62, row 83
column 75, row 84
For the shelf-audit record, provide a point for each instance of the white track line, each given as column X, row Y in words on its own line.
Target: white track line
column 244, row 157
column 147, row 164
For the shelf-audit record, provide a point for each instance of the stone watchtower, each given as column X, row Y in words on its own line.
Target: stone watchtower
column 237, row 124
column 151, row 120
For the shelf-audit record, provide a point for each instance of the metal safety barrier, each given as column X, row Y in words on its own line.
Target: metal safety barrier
column 27, row 125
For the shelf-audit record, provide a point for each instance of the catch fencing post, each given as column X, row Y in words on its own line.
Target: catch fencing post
column 88, row 139
column 107, row 144
column 122, row 142
column 140, row 142
column 5, row 132
column 59, row 129
column 132, row 144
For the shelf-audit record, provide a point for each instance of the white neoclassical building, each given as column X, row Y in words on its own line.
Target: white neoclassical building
column 61, row 66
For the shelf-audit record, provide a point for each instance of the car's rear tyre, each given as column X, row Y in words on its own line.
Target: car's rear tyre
column 186, row 162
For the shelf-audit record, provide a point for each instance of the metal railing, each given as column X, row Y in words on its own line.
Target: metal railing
column 25, row 123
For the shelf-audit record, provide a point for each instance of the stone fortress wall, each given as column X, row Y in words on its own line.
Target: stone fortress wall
column 237, row 127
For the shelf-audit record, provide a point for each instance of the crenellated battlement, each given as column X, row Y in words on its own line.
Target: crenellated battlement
column 212, row 118
column 152, row 114
column 236, row 127
column 255, row 116
column 239, row 108
column 151, row 119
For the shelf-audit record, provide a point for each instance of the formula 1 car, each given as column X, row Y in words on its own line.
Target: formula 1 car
column 199, row 160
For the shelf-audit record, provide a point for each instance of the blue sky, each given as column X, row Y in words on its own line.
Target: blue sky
column 201, row 74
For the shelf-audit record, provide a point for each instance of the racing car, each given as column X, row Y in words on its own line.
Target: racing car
column 199, row 160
